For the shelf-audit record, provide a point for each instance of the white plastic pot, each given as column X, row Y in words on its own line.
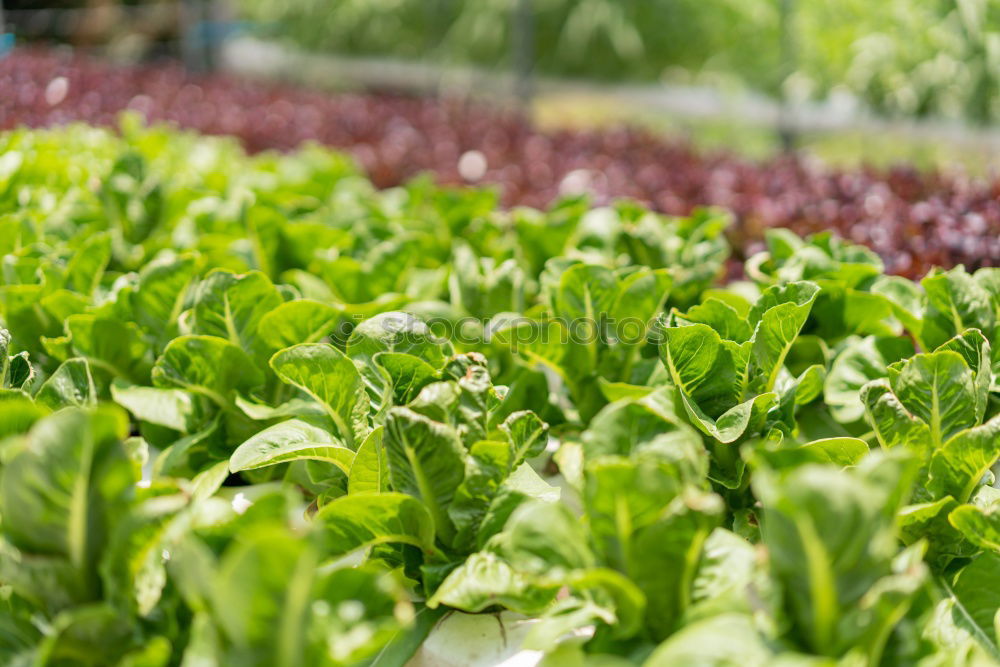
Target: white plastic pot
column 478, row 640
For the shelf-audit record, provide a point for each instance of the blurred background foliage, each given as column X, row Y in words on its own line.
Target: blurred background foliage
column 857, row 77
column 900, row 57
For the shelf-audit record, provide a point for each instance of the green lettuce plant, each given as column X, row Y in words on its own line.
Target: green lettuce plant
column 254, row 411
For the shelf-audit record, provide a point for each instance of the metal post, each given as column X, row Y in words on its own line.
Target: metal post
column 220, row 17
column 203, row 33
column 432, row 9
column 523, row 51
column 787, row 133
column 192, row 34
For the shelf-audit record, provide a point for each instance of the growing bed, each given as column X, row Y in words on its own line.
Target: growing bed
column 913, row 220
column 258, row 412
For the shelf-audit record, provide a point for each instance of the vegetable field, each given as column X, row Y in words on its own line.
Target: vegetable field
column 913, row 220
column 258, row 412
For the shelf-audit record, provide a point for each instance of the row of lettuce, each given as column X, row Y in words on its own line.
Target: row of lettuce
column 256, row 412
column 913, row 219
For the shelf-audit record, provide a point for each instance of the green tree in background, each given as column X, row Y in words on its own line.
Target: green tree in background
column 935, row 57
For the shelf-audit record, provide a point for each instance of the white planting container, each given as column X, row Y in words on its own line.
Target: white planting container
column 478, row 640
